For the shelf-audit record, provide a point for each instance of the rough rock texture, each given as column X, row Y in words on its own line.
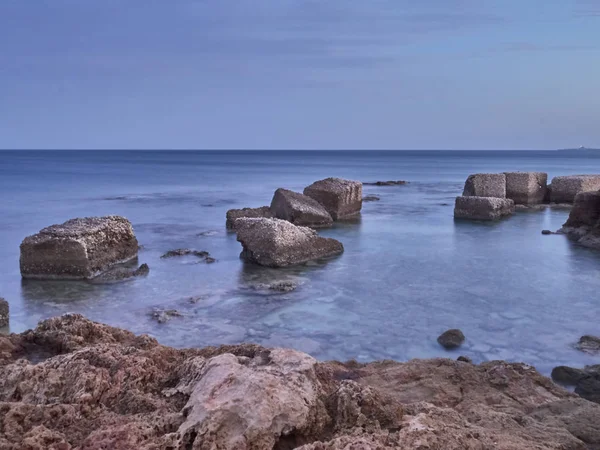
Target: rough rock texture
column 279, row 243
column 586, row 380
column 4, row 312
column 341, row 198
column 485, row 185
column 74, row 384
column 234, row 214
column 483, row 208
column 564, row 189
column 526, row 188
column 451, row 339
column 78, row 249
column 299, row 209
column 583, row 224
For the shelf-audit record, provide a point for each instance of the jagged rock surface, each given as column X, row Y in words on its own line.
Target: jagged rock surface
column 75, row 384
column 4, row 312
column 583, row 224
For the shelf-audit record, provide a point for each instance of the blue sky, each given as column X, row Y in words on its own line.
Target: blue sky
column 302, row 74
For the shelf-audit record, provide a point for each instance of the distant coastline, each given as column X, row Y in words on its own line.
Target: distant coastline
column 579, row 149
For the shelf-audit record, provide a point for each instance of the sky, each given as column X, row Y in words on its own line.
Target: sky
column 299, row 74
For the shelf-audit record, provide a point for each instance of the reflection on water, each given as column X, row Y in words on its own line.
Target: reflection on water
column 409, row 271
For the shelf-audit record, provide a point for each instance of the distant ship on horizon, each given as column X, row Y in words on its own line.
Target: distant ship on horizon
column 579, row 149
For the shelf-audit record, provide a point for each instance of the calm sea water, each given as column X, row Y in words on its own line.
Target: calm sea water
column 408, row 273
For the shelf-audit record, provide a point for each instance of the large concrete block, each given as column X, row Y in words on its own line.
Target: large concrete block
column 341, row 198
column 485, row 185
column 565, row 188
column 299, row 209
column 248, row 213
column 483, row 208
column 279, row 243
column 78, row 249
column 526, row 188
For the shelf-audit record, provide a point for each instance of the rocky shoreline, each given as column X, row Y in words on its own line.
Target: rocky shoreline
column 74, row 384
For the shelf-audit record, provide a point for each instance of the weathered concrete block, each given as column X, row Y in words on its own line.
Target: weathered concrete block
column 564, row 189
column 279, row 243
column 299, row 209
column 234, row 214
column 585, row 211
column 526, row 188
column 3, row 312
column 341, row 198
column 483, row 208
column 78, row 249
column 485, row 185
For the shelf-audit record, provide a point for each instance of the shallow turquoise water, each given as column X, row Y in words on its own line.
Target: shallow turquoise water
column 408, row 273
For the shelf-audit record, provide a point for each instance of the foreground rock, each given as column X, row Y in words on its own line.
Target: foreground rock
column 565, row 189
column 78, row 249
column 341, row 198
column 74, row 384
column 279, row 243
column 526, row 188
column 299, row 209
column 234, row 214
column 583, row 224
column 485, row 185
column 4, row 313
column 483, row 208
column 451, row 339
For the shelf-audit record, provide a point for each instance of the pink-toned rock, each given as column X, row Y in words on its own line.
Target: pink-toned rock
column 75, row 384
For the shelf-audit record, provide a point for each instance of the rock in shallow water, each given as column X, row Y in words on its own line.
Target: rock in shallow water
column 278, row 243
column 485, row 185
column 451, row 339
column 526, row 188
column 341, row 198
column 185, row 252
column 78, row 249
column 564, row 189
column 118, row 274
column 299, row 209
column 387, row 183
column 483, row 208
column 589, row 344
column 101, row 387
column 246, row 213
column 371, row 198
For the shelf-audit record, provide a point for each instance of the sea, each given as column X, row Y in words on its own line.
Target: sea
column 408, row 273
